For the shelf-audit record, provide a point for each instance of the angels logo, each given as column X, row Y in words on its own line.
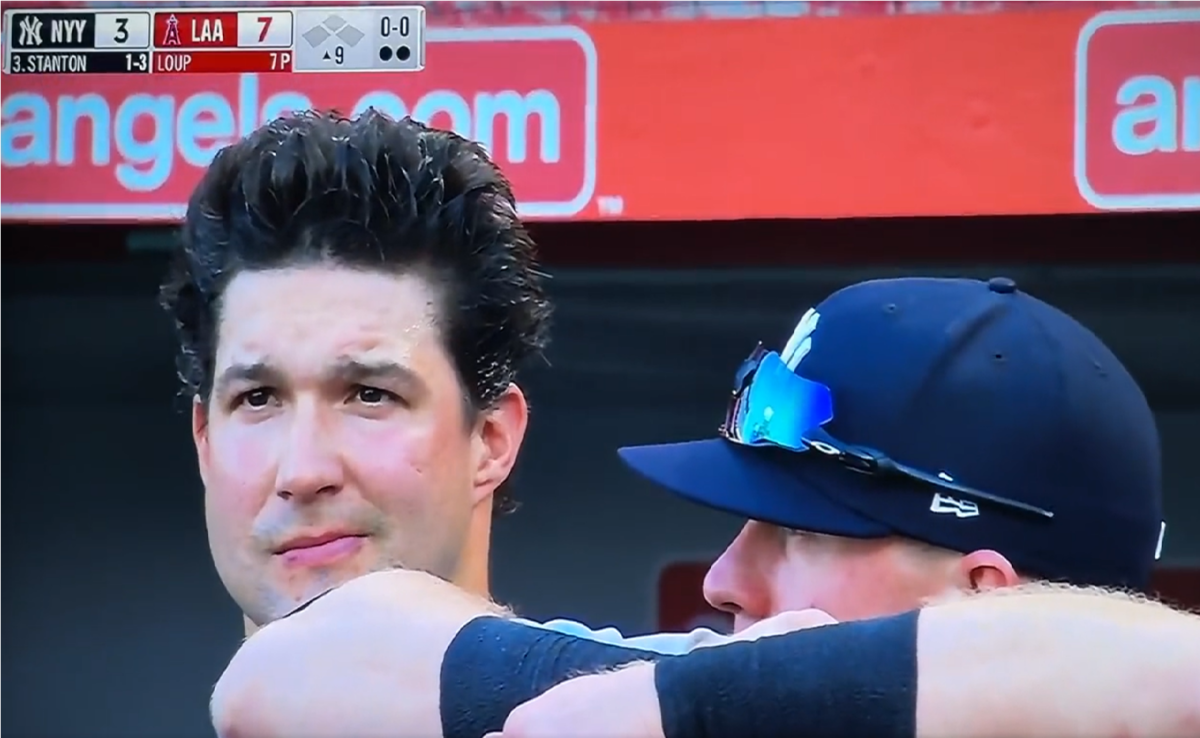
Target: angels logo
column 171, row 36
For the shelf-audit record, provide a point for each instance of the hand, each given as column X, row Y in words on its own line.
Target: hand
column 616, row 704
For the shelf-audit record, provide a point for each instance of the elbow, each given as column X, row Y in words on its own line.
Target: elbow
column 257, row 693
column 233, row 699
column 360, row 645
column 232, row 713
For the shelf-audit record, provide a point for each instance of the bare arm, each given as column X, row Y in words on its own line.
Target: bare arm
column 1045, row 661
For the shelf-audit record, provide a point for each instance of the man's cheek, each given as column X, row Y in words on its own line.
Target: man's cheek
column 398, row 486
column 394, row 466
column 242, row 459
column 800, row 588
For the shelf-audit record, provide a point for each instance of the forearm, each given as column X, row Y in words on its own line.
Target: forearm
column 1058, row 663
column 364, row 660
column 1027, row 664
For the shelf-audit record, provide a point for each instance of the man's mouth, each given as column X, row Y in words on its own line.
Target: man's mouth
column 320, row 550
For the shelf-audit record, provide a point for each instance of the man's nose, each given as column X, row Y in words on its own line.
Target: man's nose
column 734, row 583
column 310, row 462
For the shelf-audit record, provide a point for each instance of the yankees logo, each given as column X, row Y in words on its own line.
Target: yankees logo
column 30, row 30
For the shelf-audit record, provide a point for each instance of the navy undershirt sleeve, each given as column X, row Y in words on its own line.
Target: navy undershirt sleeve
column 494, row 664
column 850, row 680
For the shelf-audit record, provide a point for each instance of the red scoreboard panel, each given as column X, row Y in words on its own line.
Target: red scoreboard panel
column 227, row 40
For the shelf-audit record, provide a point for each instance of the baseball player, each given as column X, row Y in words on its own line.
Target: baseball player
column 915, row 437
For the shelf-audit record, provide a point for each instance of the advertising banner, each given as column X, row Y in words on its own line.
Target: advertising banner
column 956, row 114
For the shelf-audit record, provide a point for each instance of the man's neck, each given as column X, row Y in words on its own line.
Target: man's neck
column 473, row 567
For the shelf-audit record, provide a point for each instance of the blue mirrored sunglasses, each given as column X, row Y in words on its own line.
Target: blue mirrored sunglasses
column 773, row 406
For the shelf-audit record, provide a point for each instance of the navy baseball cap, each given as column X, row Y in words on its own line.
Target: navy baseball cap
column 965, row 414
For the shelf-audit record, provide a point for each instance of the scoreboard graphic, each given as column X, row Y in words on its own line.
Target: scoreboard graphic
column 198, row 41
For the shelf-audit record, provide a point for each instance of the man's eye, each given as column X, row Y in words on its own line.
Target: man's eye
column 373, row 395
column 255, row 398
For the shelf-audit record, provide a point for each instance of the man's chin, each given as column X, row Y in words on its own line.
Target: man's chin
column 296, row 589
column 290, row 604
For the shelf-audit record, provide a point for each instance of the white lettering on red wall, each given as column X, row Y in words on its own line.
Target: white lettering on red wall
column 124, row 147
column 1137, row 110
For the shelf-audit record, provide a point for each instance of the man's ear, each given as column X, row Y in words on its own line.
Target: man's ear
column 499, row 432
column 985, row 569
column 200, row 436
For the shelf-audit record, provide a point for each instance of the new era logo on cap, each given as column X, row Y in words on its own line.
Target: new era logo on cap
column 946, row 504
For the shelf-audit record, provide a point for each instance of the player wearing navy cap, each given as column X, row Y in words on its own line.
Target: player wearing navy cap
column 915, row 436
column 401, row 653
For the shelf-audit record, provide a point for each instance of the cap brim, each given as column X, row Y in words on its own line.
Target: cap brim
column 744, row 481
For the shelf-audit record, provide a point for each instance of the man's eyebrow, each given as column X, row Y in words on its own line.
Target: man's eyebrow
column 343, row 370
column 360, row 370
column 258, row 372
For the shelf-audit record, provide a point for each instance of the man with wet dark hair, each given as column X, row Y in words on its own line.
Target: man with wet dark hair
column 353, row 300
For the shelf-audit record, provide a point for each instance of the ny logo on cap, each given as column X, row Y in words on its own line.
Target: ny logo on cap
column 800, row 343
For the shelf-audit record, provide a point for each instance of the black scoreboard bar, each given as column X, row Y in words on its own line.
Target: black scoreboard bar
column 74, row 42
column 79, row 62
column 52, row 31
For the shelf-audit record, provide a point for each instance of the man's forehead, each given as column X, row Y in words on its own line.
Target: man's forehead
column 323, row 330
column 325, row 303
column 320, row 323
column 376, row 362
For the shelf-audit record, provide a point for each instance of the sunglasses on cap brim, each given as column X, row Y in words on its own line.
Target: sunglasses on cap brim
column 771, row 405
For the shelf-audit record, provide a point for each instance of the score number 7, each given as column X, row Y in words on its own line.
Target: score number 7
column 265, row 22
